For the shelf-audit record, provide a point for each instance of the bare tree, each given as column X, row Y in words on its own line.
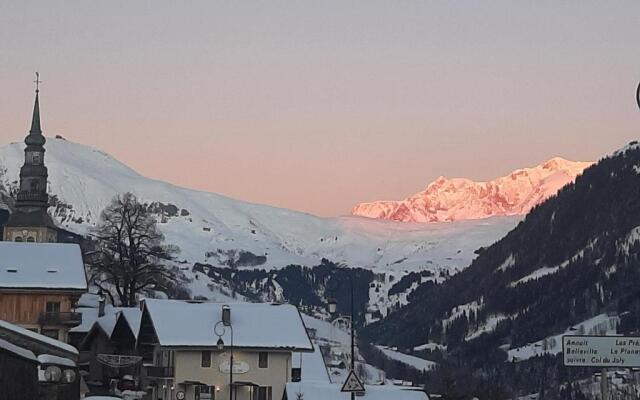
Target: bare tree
column 130, row 251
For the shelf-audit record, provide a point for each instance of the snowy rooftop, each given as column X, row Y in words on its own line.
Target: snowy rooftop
column 51, row 359
column 19, row 351
column 107, row 323
column 37, row 337
column 312, row 366
column 41, row 265
column 329, row 391
column 255, row 325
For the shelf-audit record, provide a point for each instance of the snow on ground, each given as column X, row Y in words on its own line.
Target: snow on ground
column 601, row 324
column 460, row 310
column 489, row 325
column 413, row 361
column 328, row 391
column 543, row 271
column 336, row 344
column 430, row 346
column 508, row 263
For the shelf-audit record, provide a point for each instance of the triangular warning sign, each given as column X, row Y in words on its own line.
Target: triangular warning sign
column 352, row 383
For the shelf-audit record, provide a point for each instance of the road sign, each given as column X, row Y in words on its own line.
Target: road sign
column 180, row 395
column 601, row 351
column 352, row 383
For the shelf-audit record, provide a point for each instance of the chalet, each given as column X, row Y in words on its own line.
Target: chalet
column 108, row 351
column 19, row 368
column 33, row 363
column 188, row 349
column 39, row 286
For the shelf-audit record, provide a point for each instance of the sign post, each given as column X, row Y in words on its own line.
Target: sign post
column 601, row 351
column 352, row 383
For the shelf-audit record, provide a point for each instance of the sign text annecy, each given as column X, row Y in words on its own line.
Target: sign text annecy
column 601, row 351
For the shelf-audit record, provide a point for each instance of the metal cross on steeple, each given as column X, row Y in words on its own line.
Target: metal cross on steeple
column 37, row 82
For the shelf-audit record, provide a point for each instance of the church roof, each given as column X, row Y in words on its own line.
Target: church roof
column 56, row 266
column 35, row 137
column 38, row 218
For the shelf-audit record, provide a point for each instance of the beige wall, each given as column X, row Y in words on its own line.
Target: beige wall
column 40, row 234
column 187, row 364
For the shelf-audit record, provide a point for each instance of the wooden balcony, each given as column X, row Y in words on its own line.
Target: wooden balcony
column 160, row 372
column 60, row 318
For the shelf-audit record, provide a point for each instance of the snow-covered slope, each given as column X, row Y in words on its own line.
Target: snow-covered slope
column 461, row 199
column 211, row 228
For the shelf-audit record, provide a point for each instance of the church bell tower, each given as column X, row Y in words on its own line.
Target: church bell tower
column 30, row 222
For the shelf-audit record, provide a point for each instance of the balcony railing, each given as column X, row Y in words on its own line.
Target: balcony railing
column 60, row 318
column 160, row 372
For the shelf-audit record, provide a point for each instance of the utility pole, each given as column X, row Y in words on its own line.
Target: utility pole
column 604, row 385
column 353, row 354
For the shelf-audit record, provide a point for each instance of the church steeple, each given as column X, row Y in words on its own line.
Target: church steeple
column 35, row 120
column 30, row 219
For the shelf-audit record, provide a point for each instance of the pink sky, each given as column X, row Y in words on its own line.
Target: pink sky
column 318, row 106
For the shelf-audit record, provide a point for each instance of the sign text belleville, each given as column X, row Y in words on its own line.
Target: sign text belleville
column 601, row 351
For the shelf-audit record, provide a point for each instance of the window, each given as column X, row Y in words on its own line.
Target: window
column 52, row 333
column 53, row 306
column 31, row 239
column 205, row 361
column 205, row 392
column 263, row 359
column 296, row 374
column 262, row 393
column 18, row 238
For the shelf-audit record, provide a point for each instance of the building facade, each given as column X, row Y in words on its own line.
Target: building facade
column 188, row 349
column 40, row 284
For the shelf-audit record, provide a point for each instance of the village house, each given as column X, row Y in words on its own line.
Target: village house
column 36, row 366
column 108, row 351
column 188, row 348
column 39, row 286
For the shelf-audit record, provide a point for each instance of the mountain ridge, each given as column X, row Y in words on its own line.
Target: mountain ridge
column 454, row 199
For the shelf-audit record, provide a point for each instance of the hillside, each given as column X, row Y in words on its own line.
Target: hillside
column 571, row 264
column 219, row 232
column 461, row 199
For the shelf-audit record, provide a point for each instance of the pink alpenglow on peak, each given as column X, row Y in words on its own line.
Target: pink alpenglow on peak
column 460, row 199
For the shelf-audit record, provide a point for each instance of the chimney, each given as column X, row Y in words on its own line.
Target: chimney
column 101, row 306
column 226, row 315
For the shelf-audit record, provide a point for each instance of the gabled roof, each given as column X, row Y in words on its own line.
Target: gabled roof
column 255, row 325
column 18, row 351
column 27, row 338
column 41, row 266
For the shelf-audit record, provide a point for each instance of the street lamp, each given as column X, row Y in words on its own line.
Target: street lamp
column 332, row 305
column 220, row 330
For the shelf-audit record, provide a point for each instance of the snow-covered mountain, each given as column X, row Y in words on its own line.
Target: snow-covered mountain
column 211, row 228
column 463, row 199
